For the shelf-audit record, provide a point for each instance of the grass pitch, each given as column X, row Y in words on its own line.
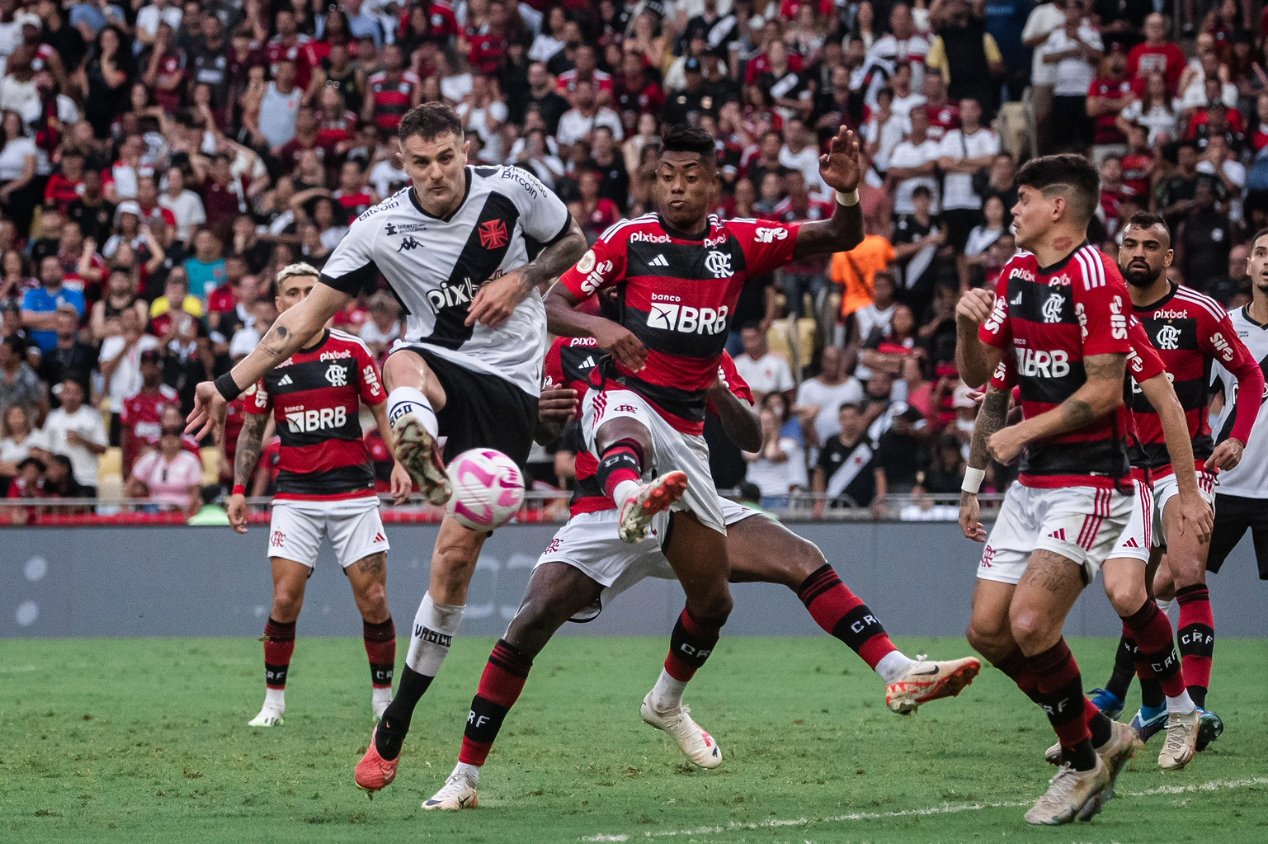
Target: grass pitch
column 146, row 740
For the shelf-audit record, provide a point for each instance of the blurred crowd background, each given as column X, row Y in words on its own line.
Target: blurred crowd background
column 160, row 161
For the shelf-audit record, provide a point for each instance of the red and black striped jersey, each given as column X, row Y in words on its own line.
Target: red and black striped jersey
column 315, row 396
column 678, row 295
column 570, row 361
column 392, row 96
column 1050, row 319
column 1190, row 331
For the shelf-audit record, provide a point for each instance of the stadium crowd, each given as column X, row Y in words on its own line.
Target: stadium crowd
column 160, row 161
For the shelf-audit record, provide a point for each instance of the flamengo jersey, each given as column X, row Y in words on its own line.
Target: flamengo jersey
column 677, row 296
column 434, row 268
column 315, row 396
column 1190, row 331
column 1050, row 319
column 1249, row 479
column 570, row 362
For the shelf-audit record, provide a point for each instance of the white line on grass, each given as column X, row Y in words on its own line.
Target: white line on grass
column 944, row 809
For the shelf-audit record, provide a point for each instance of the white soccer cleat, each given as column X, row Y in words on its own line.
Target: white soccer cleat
column 269, row 717
column 697, row 744
column 458, row 793
column 1182, row 740
column 927, row 680
column 416, row 450
column 652, row 498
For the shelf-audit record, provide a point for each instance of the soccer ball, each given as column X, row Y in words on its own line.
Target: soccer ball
column 488, row 489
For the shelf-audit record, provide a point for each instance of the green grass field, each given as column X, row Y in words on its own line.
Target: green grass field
column 142, row 740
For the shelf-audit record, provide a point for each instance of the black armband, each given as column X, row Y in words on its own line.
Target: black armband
column 227, row 387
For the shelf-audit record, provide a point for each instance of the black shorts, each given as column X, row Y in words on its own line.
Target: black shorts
column 960, row 223
column 481, row 410
column 1235, row 515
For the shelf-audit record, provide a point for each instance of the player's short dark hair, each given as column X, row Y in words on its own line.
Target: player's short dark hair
column 681, row 138
column 1258, row 234
column 1068, row 174
column 1147, row 220
column 430, row 121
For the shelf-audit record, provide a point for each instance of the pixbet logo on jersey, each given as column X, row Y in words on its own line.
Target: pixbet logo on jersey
column 317, row 419
column 686, row 319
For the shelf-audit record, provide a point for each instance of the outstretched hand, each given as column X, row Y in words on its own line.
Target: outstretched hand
column 842, row 167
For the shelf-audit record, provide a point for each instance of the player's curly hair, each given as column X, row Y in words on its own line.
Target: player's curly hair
column 1066, row 174
column 680, row 138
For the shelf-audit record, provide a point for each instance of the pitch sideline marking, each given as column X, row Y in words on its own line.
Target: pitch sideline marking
column 944, row 809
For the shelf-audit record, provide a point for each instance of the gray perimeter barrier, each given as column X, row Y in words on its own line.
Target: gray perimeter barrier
column 209, row 581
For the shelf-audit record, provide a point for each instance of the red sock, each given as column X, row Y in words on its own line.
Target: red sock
column 500, row 686
column 1061, row 690
column 843, row 614
column 1017, row 668
column 1155, row 648
column 1197, row 639
column 380, row 647
column 623, row 461
column 279, row 644
column 689, row 646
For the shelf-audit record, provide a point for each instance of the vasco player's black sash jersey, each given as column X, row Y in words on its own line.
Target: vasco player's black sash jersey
column 315, row 396
column 435, row 266
column 1050, row 319
column 1249, row 478
column 678, row 294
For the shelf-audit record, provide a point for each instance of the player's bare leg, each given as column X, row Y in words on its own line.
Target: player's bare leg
column 623, row 447
column 555, row 594
column 439, row 615
column 698, row 556
column 415, row 396
column 368, row 579
column 761, row 549
column 289, row 581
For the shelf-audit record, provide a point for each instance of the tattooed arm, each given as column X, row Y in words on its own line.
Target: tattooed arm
column 991, row 417
column 250, row 441
column 1100, row 394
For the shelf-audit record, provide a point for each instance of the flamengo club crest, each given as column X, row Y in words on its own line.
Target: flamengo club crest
column 336, row 375
column 1169, row 338
column 1052, row 308
column 493, row 234
column 718, row 263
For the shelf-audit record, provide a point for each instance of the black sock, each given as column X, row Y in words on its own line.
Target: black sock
column 1151, row 693
column 1101, row 729
column 1081, row 757
column 1198, row 693
column 394, row 725
column 1120, row 680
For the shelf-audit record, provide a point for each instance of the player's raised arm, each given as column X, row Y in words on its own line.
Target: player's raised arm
column 978, row 310
column 842, row 169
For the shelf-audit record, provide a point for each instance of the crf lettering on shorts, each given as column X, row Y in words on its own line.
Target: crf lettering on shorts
column 309, row 421
column 1037, row 363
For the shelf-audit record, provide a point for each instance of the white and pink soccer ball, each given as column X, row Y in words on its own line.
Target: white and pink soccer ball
column 488, row 489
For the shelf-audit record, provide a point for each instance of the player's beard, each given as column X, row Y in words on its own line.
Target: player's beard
column 1136, row 277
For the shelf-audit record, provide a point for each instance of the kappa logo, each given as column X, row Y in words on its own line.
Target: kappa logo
column 658, row 261
column 408, row 244
column 688, row 320
column 718, row 263
column 337, row 375
column 286, row 381
column 1168, row 338
column 1052, row 308
column 493, row 234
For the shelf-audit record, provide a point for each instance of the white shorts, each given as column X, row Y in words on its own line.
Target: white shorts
column 589, row 543
column 353, row 525
column 671, row 449
column 1165, row 489
column 1138, row 537
column 1081, row 523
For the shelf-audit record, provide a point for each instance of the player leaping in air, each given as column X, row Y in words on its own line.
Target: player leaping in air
column 680, row 271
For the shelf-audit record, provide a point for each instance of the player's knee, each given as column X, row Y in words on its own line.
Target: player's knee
column 372, row 602
column 989, row 637
column 402, row 370
column 286, row 604
column 1030, row 628
column 804, row 559
column 1125, row 595
column 713, row 609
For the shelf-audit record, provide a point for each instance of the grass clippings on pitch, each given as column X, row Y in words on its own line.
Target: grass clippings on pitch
column 146, row 740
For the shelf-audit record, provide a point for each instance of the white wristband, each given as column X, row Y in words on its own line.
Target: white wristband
column 972, row 480
column 848, row 199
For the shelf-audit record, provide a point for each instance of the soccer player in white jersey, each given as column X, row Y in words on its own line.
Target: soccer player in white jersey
column 1239, row 500
column 467, row 251
column 325, row 487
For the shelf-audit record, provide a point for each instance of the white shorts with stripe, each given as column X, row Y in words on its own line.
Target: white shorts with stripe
column 353, row 525
column 1165, row 489
column 1081, row 523
column 589, row 543
column 1137, row 538
column 671, row 449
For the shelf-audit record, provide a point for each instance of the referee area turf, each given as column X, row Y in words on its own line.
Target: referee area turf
column 146, row 740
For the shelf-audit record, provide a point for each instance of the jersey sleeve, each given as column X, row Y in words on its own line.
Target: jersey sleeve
column 553, row 366
column 256, row 399
column 543, row 215
column 1218, row 338
column 602, row 266
column 767, row 244
column 1143, row 361
column 997, row 331
column 734, row 380
column 1004, row 377
column 350, row 267
column 1101, row 302
column 370, row 380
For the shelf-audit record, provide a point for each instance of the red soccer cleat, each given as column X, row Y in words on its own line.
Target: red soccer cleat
column 373, row 771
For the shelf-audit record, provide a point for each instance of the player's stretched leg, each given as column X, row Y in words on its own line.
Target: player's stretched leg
column 698, row 556
column 414, row 397
column 555, row 594
column 368, row 578
column 435, row 624
column 761, row 549
column 623, row 446
column 289, row 580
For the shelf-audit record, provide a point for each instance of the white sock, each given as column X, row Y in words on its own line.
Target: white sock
column 667, row 693
column 1181, row 704
column 403, row 400
column 275, row 699
column 1165, row 606
column 625, row 490
column 471, row 772
column 893, row 665
column 381, row 695
column 434, row 629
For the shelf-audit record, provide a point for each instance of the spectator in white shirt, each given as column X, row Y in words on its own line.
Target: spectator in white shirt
column 1075, row 50
column 77, row 431
column 778, row 469
column 1044, row 19
column 764, row 371
column 798, row 153
column 819, row 399
column 169, row 476
column 148, row 18
column 903, row 43
column 185, row 205
column 966, row 151
column 914, row 163
column 578, row 122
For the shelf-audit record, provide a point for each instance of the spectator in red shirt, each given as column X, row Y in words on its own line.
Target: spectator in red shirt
column 85, row 270
column 290, row 43
column 224, row 196
column 594, row 212
column 586, row 67
column 1156, row 55
column 1110, row 93
column 353, row 194
column 64, row 185
column 142, row 418
column 943, row 114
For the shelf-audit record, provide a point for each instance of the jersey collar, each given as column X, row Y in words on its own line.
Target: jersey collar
column 325, row 332
column 674, row 231
column 1251, row 319
column 466, row 191
column 1062, row 262
column 1175, row 288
